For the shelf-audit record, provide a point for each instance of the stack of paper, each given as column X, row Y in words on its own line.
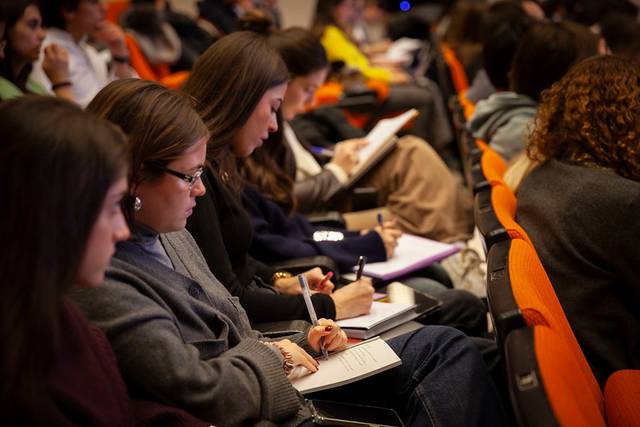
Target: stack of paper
column 382, row 317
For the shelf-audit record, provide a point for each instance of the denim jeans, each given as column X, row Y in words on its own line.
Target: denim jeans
column 442, row 381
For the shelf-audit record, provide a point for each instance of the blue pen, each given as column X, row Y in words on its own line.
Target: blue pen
column 380, row 220
column 306, row 293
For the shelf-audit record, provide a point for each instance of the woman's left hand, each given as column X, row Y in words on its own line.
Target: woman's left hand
column 334, row 337
column 315, row 279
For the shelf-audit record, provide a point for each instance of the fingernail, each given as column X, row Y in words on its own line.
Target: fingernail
column 328, row 328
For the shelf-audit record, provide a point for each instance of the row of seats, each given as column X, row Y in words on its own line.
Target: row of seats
column 550, row 380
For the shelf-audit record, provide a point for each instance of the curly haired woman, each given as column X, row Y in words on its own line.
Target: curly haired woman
column 581, row 206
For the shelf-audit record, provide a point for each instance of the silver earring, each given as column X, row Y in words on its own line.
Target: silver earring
column 137, row 204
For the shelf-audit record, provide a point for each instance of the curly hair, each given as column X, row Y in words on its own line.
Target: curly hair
column 591, row 117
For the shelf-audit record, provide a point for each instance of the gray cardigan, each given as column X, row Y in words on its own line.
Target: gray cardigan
column 182, row 339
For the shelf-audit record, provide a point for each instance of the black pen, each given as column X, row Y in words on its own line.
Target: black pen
column 361, row 262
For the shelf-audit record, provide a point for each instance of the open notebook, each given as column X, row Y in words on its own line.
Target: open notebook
column 358, row 361
column 411, row 254
column 382, row 138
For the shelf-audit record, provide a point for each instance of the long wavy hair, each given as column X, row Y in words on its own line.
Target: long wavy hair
column 55, row 176
column 591, row 117
column 227, row 82
column 161, row 125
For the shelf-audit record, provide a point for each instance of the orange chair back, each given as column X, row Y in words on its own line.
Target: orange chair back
column 146, row 71
column 458, row 75
column 493, row 166
column 621, row 397
column 504, row 204
column 564, row 382
column 536, row 298
column 115, row 9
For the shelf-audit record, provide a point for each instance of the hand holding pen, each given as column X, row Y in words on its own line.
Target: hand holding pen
column 389, row 234
column 325, row 334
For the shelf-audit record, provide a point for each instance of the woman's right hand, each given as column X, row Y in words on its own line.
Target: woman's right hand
column 56, row 63
column 389, row 235
column 298, row 355
column 346, row 154
column 353, row 299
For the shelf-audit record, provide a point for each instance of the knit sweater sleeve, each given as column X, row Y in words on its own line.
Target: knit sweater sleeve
column 233, row 387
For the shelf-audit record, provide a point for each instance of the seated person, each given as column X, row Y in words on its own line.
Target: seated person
column 580, row 206
column 65, row 179
column 24, row 36
column 332, row 23
column 69, row 23
column 156, row 38
column 503, row 25
column 412, row 181
column 181, row 338
column 544, row 54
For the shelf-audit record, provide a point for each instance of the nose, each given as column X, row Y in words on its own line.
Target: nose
column 273, row 123
column 41, row 34
column 198, row 189
column 121, row 231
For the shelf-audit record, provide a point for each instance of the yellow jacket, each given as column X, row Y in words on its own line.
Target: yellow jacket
column 340, row 48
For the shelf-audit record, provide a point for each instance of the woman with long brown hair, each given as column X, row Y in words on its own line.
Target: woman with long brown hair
column 580, row 206
column 65, row 179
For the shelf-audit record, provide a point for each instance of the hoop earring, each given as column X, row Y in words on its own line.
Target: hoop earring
column 137, row 204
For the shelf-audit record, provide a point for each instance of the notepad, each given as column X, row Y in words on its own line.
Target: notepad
column 359, row 361
column 382, row 138
column 382, row 317
column 411, row 254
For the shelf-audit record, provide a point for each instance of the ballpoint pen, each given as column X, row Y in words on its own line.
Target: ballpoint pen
column 361, row 262
column 306, row 293
column 380, row 221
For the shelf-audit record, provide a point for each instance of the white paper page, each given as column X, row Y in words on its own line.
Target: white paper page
column 380, row 311
column 356, row 362
column 382, row 131
column 411, row 250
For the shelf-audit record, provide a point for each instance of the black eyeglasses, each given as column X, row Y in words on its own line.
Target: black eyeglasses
column 189, row 179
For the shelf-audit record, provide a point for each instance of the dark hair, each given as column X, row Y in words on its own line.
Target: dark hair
column 227, row 82
column 324, row 15
column 58, row 163
column 503, row 25
column 546, row 53
column 622, row 34
column 592, row 117
column 143, row 18
column 300, row 49
column 160, row 125
column 52, row 12
column 13, row 10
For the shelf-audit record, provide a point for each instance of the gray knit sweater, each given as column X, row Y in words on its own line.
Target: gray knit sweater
column 182, row 339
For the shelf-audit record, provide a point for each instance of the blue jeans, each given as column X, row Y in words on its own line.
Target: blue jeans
column 442, row 381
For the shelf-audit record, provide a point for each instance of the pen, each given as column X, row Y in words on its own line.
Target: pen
column 361, row 261
column 322, row 151
column 324, row 280
column 312, row 312
column 380, row 220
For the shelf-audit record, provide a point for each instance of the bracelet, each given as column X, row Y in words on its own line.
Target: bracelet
column 124, row 59
column 280, row 275
column 288, row 364
column 61, row 84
